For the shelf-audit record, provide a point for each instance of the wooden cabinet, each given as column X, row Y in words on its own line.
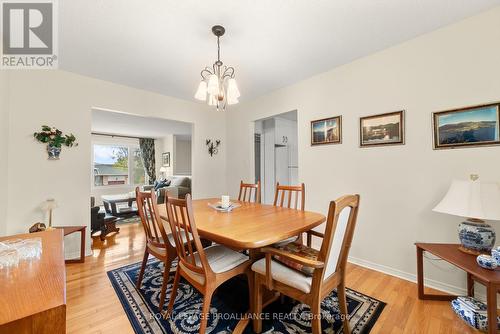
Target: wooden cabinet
column 33, row 294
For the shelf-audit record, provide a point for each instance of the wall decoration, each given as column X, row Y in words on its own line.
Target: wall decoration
column 212, row 146
column 382, row 129
column 55, row 139
column 166, row 159
column 326, row 131
column 467, row 127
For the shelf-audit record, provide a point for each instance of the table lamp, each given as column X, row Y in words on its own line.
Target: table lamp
column 477, row 201
column 49, row 205
column 163, row 171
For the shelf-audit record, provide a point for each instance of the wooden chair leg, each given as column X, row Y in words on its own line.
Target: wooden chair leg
column 174, row 291
column 257, row 304
column 143, row 267
column 166, row 275
column 343, row 307
column 316, row 316
column 205, row 312
column 250, row 276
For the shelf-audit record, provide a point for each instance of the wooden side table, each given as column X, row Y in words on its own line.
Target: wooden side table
column 73, row 229
column 451, row 254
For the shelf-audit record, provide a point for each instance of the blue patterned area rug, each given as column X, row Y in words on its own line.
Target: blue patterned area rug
column 228, row 305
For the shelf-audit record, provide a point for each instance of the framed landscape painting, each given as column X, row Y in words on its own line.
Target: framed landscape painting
column 166, row 159
column 326, row 131
column 383, row 129
column 467, row 127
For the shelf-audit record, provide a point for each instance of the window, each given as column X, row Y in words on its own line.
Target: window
column 117, row 165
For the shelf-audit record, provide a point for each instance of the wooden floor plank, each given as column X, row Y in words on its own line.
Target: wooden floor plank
column 93, row 306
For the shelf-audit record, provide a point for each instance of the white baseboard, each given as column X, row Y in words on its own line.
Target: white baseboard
column 479, row 289
column 444, row 287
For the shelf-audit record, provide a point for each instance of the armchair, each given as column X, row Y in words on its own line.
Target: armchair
column 96, row 218
column 99, row 222
column 326, row 265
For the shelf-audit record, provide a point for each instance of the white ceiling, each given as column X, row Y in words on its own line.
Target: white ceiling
column 161, row 45
column 136, row 126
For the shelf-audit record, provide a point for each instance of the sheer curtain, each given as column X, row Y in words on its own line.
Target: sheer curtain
column 147, row 147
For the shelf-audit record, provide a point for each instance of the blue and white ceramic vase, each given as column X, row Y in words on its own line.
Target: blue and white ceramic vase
column 53, row 152
column 495, row 254
column 487, row 262
column 472, row 311
column 476, row 236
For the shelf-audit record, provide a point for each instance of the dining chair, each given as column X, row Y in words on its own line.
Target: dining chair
column 204, row 268
column 159, row 243
column 284, row 269
column 292, row 197
column 250, row 187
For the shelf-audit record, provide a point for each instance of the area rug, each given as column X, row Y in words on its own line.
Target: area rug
column 228, row 306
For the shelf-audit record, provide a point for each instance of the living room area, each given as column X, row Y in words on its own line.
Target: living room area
column 129, row 152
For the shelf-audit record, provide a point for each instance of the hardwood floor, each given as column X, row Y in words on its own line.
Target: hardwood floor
column 93, row 307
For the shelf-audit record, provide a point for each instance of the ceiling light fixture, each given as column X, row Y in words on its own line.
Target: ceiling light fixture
column 218, row 86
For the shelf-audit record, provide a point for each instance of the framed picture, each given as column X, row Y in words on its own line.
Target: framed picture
column 326, row 131
column 467, row 127
column 166, row 159
column 382, row 129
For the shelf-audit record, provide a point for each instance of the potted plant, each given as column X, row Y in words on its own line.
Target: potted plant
column 55, row 139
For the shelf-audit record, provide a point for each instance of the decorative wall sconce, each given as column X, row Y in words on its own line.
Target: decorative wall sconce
column 212, row 146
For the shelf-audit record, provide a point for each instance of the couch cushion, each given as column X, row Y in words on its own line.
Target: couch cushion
column 285, row 275
column 161, row 184
column 180, row 181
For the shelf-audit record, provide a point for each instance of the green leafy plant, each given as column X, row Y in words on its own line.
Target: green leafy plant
column 55, row 137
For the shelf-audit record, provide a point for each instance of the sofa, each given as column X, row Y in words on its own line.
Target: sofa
column 179, row 187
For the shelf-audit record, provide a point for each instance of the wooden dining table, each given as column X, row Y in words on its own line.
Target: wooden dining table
column 250, row 226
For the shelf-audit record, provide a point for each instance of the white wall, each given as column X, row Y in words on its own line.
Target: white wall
column 452, row 67
column 65, row 100
column 4, row 139
column 163, row 145
column 182, row 156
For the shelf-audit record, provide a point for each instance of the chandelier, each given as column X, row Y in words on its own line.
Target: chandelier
column 218, row 86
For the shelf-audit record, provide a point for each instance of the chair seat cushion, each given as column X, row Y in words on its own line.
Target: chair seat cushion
column 285, row 275
column 286, row 241
column 299, row 250
column 183, row 235
column 220, row 259
column 162, row 250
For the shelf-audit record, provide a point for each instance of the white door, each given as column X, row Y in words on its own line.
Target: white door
column 281, row 165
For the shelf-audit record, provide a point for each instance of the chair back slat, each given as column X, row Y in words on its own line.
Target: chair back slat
column 340, row 224
column 285, row 196
column 150, row 218
column 252, row 188
column 187, row 241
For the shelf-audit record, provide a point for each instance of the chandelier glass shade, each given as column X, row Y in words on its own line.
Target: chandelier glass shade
column 218, row 86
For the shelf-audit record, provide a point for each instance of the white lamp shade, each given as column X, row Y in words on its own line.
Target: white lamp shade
column 232, row 101
column 233, row 93
column 212, row 100
column 201, row 93
column 213, row 85
column 471, row 199
column 49, row 204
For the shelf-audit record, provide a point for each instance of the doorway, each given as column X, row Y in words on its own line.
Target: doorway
column 276, row 152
